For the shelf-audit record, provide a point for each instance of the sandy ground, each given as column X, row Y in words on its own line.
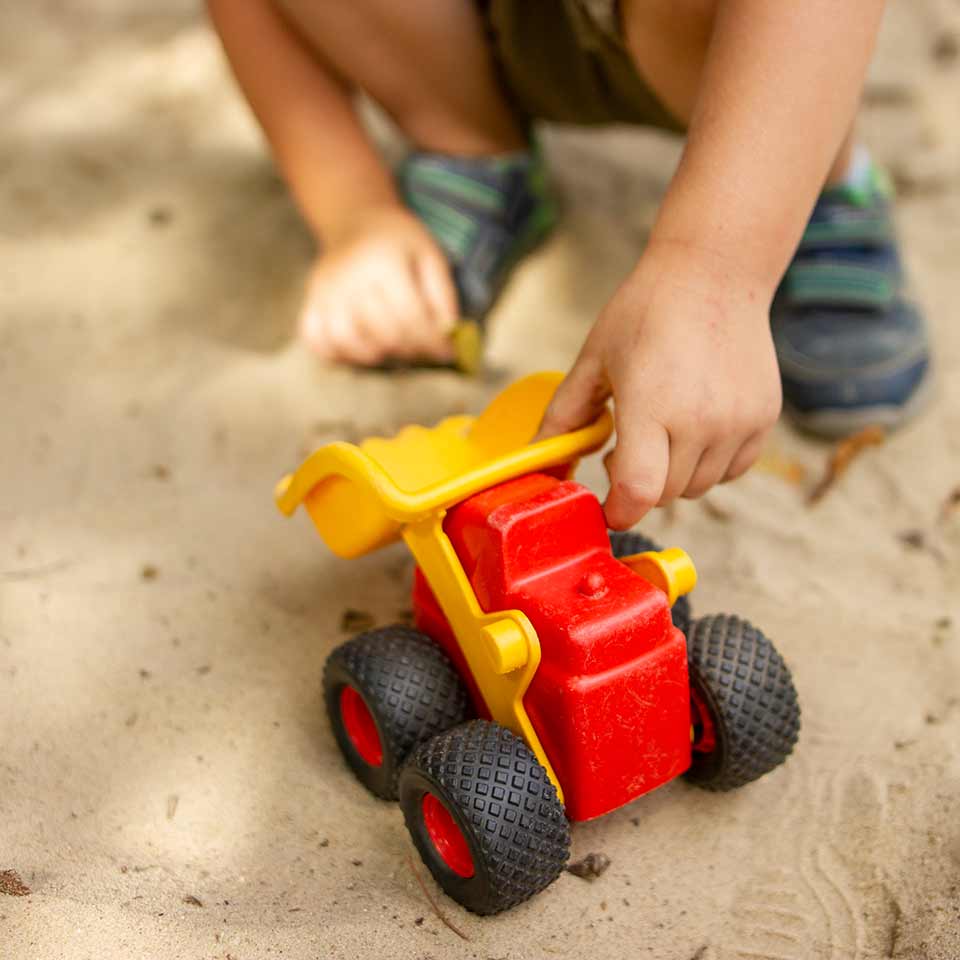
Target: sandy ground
column 162, row 629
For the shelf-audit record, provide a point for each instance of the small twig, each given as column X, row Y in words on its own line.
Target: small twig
column 715, row 511
column 32, row 573
column 433, row 903
column 846, row 451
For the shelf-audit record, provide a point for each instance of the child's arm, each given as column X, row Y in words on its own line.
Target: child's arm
column 684, row 346
column 345, row 193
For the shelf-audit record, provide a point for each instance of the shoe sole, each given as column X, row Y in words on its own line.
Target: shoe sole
column 836, row 423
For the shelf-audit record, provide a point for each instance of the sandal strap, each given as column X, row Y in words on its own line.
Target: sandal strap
column 849, row 216
column 847, row 257
column 861, row 279
column 484, row 213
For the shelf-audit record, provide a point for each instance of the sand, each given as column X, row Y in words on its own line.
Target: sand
column 168, row 785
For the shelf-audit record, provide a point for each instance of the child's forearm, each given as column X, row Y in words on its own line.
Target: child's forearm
column 307, row 115
column 778, row 95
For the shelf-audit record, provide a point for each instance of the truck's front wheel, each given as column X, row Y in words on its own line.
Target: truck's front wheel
column 484, row 816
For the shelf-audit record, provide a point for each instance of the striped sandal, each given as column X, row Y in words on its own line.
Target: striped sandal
column 852, row 349
column 486, row 214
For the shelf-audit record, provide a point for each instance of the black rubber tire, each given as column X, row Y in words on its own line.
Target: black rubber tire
column 502, row 800
column 749, row 693
column 409, row 686
column 625, row 543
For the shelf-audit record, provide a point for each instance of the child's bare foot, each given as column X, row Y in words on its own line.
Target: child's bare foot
column 381, row 290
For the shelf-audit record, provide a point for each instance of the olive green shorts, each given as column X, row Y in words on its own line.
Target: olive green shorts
column 566, row 61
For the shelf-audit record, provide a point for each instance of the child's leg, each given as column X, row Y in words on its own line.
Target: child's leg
column 427, row 63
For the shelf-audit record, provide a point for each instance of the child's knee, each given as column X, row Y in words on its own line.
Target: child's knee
column 689, row 19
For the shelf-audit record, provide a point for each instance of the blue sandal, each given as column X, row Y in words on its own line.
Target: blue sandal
column 853, row 350
column 486, row 213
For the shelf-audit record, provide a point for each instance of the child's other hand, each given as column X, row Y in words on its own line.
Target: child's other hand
column 381, row 290
column 685, row 349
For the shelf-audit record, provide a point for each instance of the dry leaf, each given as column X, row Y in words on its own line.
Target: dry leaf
column 772, row 462
column 845, row 452
column 12, row 885
column 352, row 621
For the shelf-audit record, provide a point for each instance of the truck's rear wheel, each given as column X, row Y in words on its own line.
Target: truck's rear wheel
column 387, row 691
column 484, row 816
column 744, row 711
column 625, row 544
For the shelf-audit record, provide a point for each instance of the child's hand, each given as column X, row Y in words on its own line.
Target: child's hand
column 381, row 290
column 685, row 349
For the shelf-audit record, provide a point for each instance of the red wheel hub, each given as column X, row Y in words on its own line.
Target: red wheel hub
column 360, row 726
column 447, row 837
column 704, row 730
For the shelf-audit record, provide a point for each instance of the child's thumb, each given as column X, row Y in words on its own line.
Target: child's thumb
column 579, row 399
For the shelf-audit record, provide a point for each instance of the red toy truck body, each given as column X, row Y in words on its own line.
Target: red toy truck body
column 611, row 698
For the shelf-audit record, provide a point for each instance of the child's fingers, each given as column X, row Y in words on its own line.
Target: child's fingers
column 685, row 456
column 745, row 457
column 412, row 334
column 313, row 332
column 348, row 340
column 432, row 276
column 711, row 469
column 579, row 399
column 638, row 468
column 383, row 319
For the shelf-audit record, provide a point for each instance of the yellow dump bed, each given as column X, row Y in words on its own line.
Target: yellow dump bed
column 360, row 497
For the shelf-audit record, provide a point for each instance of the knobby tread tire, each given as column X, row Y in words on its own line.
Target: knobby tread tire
column 505, row 805
column 751, row 697
column 410, row 687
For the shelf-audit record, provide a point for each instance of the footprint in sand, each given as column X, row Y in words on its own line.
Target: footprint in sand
column 827, row 898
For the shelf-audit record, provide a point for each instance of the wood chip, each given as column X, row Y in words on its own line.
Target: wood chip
column 778, row 465
column 352, row 621
column 919, row 540
column 950, row 505
column 915, row 539
column 12, row 885
column 192, row 900
column 845, row 452
column 172, row 802
column 590, row 867
column 946, row 47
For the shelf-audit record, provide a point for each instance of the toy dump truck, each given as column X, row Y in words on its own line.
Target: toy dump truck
column 547, row 679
